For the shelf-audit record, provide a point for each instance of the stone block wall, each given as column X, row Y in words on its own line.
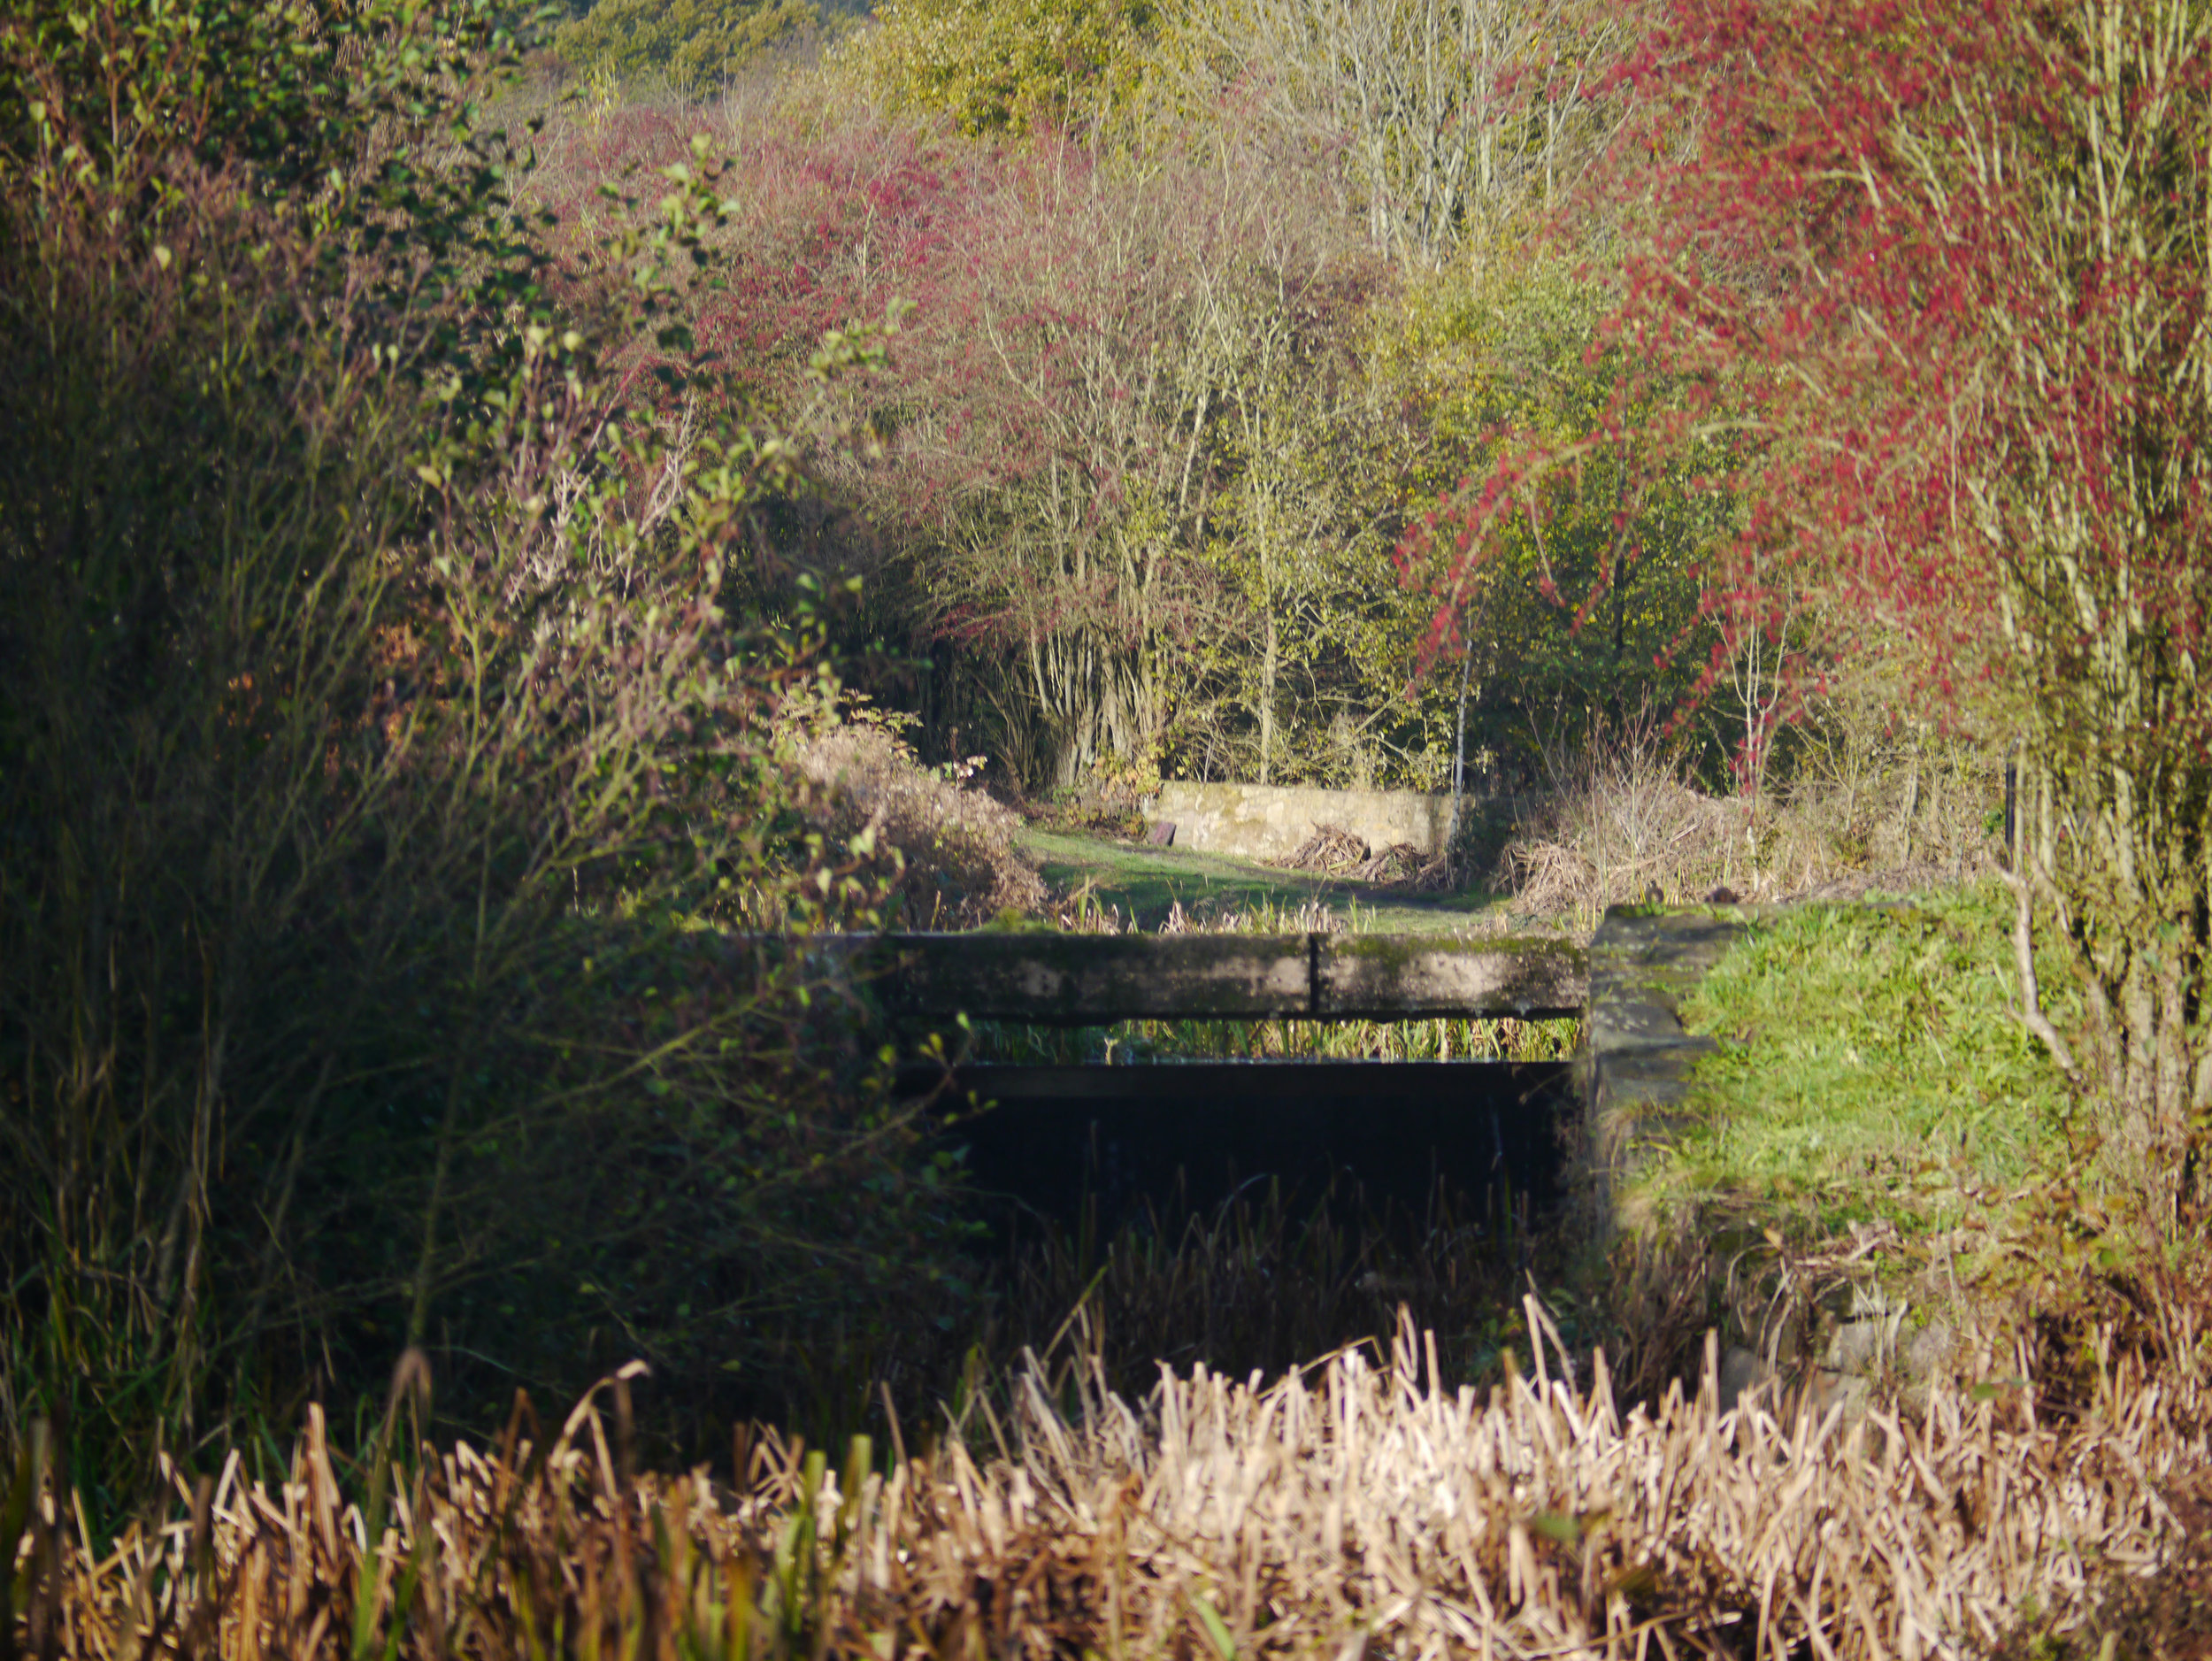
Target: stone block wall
column 1262, row 822
column 1636, row 1055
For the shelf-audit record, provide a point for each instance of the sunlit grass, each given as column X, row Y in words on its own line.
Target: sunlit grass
column 1146, row 885
column 1870, row 1067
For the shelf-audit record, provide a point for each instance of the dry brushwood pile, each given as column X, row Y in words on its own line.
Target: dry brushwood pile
column 1617, row 836
column 1354, row 1510
column 1330, row 848
column 957, row 865
column 1337, row 852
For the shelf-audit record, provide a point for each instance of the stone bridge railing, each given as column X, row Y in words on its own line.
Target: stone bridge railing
column 1097, row 979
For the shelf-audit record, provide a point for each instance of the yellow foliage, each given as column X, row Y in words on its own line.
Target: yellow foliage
column 1011, row 66
column 695, row 45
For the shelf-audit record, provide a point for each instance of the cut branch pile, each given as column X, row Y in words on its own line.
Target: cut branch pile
column 1337, row 853
column 1394, row 863
column 1330, row 849
column 1617, row 835
column 1354, row 1510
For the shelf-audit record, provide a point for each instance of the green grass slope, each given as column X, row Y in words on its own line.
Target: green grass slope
column 1871, row 1068
column 1147, row 883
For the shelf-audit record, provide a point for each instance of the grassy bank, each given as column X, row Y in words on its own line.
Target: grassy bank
column 1871, row 1068
column 1878, row 1153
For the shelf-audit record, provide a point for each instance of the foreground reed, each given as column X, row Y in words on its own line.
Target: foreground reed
column 1354, row 1510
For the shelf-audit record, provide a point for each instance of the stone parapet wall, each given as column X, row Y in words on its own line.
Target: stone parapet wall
column 1264, row 821
column 1636, row 1055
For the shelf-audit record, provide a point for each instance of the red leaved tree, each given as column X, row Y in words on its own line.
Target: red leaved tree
column 1930, row 279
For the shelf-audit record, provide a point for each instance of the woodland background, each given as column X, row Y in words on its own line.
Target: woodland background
column 503, row 543
column 1200, row 311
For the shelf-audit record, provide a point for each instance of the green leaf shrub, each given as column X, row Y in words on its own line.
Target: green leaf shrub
column 1007, row 68
column 1590, row 614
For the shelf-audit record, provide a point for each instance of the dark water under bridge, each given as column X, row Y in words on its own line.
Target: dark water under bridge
column 1181, row 1135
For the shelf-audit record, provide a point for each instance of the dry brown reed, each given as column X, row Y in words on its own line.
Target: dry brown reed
column 1351, row 1510
column 1620, row 824
column 1268, row 1280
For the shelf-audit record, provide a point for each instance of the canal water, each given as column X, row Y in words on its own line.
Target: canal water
column 1164, row 1137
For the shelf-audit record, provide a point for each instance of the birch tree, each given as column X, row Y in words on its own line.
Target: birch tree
column 1445, row 118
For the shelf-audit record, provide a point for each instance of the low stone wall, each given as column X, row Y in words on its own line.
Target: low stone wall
column 1264, row 821
column 1636, row 1055
column 1089, row 979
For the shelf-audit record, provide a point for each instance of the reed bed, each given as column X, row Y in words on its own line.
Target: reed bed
column 1267, row 1281
column 1353, row 1510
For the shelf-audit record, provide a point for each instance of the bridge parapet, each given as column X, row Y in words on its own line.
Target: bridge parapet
column 1091, row 979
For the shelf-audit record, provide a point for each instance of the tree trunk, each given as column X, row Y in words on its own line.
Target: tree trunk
column 1269, row 658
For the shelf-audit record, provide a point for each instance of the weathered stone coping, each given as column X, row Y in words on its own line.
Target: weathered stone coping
column 1097, row 979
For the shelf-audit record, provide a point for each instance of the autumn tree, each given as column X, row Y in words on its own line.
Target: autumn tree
column 1934, row 278
column 1055, row 452
column 693, row 45
column 1055, row 456
column 1287, row 533
column 1004, row 67
column 1445, row 119
column 1583, row 611
column 1148, row 431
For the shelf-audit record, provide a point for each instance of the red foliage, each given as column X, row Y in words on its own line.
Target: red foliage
column 1847, row 268
column 1053, row 343
column 1932, row 279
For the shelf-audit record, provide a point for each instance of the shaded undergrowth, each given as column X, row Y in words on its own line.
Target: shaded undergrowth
column 1262, row 1283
